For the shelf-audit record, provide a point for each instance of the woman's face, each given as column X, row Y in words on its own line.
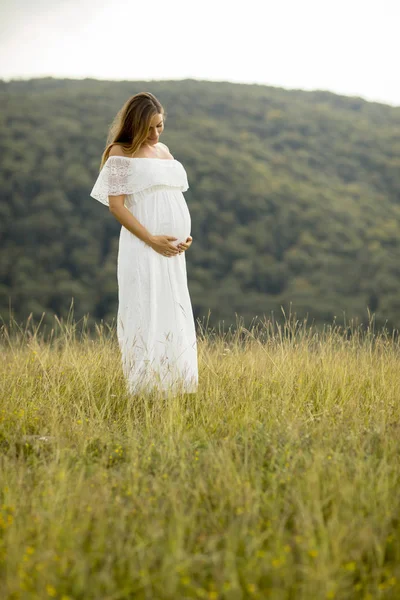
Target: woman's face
column 155, row 129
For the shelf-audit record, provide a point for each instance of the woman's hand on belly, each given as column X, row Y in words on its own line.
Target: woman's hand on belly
column 163, row 244
column 185, row 245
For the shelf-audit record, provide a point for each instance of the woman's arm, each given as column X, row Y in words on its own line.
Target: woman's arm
column 121, row 213
column 127, row 219
column 160, row 243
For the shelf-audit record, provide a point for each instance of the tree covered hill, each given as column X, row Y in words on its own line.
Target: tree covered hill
column 294, row 198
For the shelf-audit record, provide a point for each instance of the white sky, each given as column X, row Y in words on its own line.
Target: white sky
column 350, row 47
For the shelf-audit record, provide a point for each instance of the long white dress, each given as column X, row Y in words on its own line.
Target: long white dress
column 155, row 323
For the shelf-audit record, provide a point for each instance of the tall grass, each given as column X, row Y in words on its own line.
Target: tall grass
column 278, row 479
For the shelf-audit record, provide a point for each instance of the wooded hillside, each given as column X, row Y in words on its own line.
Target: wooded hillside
column 294, row 198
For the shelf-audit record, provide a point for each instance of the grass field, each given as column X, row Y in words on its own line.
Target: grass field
column 279, row 479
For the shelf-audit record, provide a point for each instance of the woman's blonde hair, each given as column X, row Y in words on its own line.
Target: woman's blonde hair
column 130, row 126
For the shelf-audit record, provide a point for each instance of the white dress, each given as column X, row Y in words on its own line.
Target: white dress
column 155, row 323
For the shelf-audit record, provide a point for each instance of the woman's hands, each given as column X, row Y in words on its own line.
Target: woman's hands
column 185, row 245
column 163, row 244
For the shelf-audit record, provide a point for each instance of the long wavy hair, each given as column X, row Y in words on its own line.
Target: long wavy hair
column 130, row 126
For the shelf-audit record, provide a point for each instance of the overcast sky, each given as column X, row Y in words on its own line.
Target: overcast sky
column 350, row 47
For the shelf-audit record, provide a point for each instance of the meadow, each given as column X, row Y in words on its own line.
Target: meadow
column 279, row 479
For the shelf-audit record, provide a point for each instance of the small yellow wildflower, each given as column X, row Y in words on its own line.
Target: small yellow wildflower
column 298, row 538
column 382, row 586
column 277, row 562
column 51, row 591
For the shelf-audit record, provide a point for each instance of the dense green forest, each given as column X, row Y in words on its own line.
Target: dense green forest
column 294, row 198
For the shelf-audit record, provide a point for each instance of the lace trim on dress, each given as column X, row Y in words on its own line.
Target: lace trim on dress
column 123, row 175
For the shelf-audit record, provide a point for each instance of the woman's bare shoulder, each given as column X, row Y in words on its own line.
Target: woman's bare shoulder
column 162, row 151
column 166, row 150
column 116, row 150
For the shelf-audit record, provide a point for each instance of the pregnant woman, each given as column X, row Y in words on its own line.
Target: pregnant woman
column 142, row 184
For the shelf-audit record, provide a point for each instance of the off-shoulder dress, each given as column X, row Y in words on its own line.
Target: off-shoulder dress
column 155, row 322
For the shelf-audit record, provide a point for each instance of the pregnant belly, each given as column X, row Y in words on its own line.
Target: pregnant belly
column 164, row 212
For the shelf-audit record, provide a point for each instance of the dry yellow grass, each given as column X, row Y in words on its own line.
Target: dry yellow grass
column 278, row 479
